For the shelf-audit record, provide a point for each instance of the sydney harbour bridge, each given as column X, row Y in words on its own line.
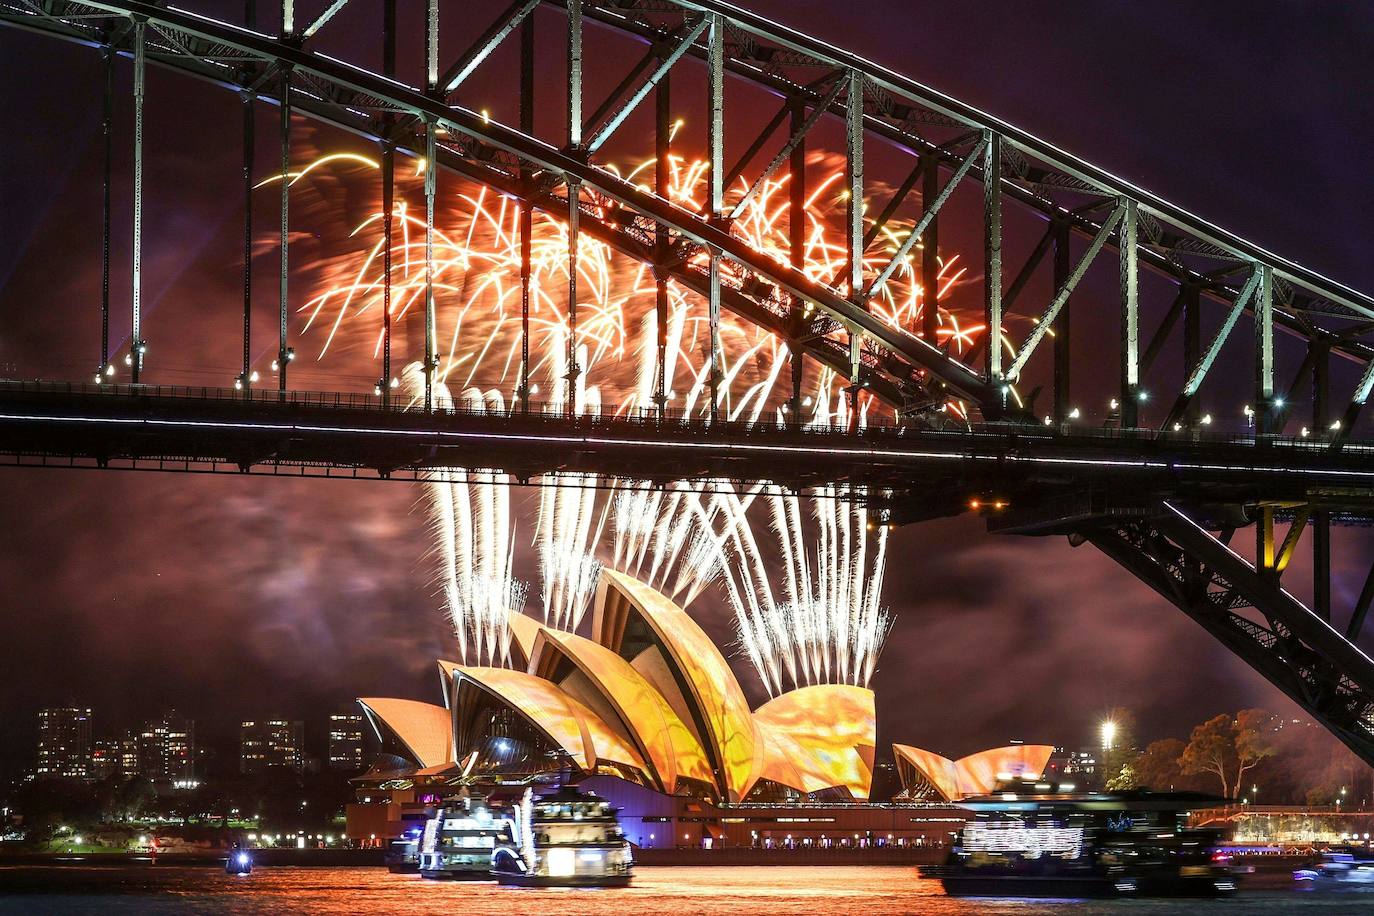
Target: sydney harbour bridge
column 1146, row 383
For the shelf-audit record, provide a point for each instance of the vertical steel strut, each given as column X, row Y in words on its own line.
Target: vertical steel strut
column 526, row 209
column 574, row 214
column 248, row 143
column 1264, row 349
column 388, row 221
column 250, row 19
column 715, row 141
column 431, row 360
column 574, row 193
column 137, row 346
column 854, row 222
column 388, row 198
column 574, row 73
column 432, row 46
column 1130, row 314
column 992, row 258
column 107, row 129
column 283, row 352
column 431, row 183
column 1063, row 391
column 930, row 253
column 662, row 150
column 796, row 246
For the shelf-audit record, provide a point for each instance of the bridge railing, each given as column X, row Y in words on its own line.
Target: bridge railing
column 876, row 428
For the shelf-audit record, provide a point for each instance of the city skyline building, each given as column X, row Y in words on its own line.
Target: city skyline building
column 105, row 759
column 167, row 748
column 267, row 744
column 345, row 749
column 64, row 742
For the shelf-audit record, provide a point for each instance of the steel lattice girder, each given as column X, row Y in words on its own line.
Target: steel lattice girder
column 1294, row 649
column 345, row 95
column 757, row 41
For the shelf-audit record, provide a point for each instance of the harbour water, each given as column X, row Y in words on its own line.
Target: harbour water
column 713, row 891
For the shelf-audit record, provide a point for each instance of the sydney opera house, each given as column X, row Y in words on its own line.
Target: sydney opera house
column 647, row 711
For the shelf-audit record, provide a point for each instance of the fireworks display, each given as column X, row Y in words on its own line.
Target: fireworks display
column 823, row 622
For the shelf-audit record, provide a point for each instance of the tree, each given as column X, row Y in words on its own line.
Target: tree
column 1211, row 749
column 1124, row 779
column 1121, row 751
column 1156, row 767
column 1255, row 740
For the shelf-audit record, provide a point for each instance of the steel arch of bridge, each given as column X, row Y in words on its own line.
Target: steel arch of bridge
column 1295, row 647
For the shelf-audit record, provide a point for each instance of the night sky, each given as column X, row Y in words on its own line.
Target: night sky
column 228, row 597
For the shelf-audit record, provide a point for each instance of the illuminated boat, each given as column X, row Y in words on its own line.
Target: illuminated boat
column 1338, row 865
column 567, row 839
column 239, row 862
column 459, row 840
column 1030, row 840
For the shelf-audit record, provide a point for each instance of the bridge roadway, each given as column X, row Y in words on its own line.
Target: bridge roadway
column 924, row 472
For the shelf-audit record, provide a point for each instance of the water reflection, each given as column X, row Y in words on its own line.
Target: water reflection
column 737, row 891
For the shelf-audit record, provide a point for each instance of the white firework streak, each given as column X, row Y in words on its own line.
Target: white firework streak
column 830, row 628
column 475, row 536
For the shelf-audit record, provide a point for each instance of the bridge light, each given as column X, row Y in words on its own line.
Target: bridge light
column 128, row 359
column 238, row 383
column 1304, row 432
column 1048, row 421
column 1206, row 419
column 377, row 389
column 1178, row 426
column 974, row 504
column 1143, row 396
column 290, row 354
column 1278, row 403
column 1335, row 425
column 1114, row 405
column 806, row 401
column 395, row 382
column 253, row 376
column 109, row 370
column 534, row 389
column 999, row 504
column 1075, row 414
column 275, row 366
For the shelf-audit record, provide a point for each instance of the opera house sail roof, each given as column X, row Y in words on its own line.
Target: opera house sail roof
column 928, row 775
column 648, row 697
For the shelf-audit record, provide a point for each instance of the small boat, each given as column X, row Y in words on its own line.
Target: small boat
column 459, row 840
column 567, row 839
column 239, row 862
column 402, row 855
column 1339, row 865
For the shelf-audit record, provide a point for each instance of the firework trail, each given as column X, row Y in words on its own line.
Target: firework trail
column 475, row 541
column 824, row 624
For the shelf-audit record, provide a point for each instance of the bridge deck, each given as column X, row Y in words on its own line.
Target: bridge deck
column 334, row 434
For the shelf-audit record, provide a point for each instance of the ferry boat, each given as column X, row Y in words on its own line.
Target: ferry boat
column 567, row 839
column 1037, row 840
column 1338, row 865
column 458, row 842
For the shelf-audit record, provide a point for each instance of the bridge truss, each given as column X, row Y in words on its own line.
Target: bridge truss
column 1169, row 524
